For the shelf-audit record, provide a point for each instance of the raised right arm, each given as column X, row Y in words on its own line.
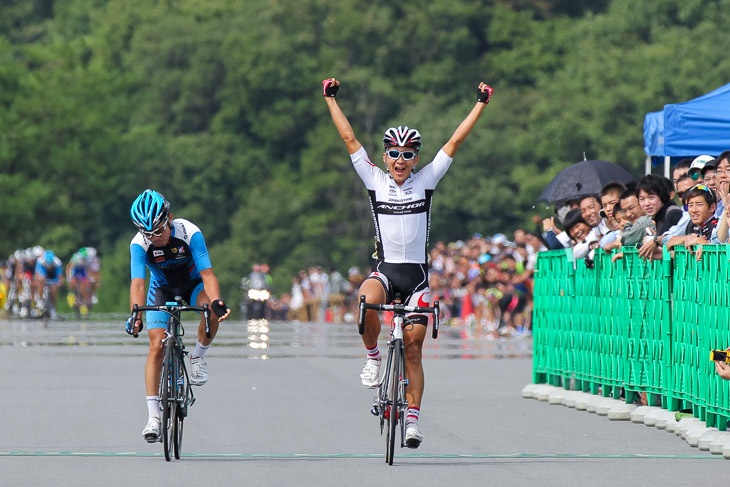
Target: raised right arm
column 330, row 87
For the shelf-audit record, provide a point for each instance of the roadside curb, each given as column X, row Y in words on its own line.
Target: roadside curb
column 692, row 430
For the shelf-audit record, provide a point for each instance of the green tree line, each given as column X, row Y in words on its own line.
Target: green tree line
column 217, row 104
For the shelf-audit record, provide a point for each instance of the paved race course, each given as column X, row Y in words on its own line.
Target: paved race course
column 284, row 406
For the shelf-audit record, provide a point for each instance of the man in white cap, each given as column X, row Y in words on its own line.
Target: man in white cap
column 695, row 169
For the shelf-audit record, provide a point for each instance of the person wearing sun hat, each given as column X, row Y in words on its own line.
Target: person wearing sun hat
column 695, row 169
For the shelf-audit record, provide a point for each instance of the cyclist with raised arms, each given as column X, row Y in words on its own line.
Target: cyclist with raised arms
column 400, row 200
column 174, row 251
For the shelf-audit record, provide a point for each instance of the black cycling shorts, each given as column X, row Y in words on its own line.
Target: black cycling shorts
column 410, row 281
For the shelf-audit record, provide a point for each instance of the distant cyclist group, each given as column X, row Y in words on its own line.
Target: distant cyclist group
column 32, row 280
column 174, row 253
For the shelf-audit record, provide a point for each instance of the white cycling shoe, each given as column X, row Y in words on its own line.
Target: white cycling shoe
column 371, row 374
column 413, row 436
column 198, row 371
column 151, row 432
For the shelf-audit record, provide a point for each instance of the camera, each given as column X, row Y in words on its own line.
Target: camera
column 720, row 356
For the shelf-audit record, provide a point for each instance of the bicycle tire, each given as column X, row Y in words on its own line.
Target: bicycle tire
column 394, row 382
column 383, row 392
column 167, row 399
column 181, row 394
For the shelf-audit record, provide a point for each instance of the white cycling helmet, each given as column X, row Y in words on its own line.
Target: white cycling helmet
column 38, row 251
column 402, row 136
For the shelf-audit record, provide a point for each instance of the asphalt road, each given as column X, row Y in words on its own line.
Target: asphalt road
column 284, row 406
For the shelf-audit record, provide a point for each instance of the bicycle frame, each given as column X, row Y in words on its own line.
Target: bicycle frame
column 391, row 405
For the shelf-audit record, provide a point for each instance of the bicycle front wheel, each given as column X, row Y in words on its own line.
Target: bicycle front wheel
column 392, row 400
column 182, row 389
column 167, row 400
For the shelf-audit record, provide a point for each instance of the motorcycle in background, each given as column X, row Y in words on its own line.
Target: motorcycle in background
column 256, row 287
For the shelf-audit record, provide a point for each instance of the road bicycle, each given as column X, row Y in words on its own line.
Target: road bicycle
column 176, row 394
column 45, row 304
column 391, row 405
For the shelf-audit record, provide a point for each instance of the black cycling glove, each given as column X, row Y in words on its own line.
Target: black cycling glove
column 129, row 328
column 484, row 93
column 219, row 308
column 329, row 87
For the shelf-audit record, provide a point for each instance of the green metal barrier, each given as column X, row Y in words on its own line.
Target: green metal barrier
column 633, row 326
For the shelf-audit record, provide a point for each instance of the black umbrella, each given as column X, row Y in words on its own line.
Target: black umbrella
column 582, row 179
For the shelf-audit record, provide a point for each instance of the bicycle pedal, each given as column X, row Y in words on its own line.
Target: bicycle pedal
column 375, row 411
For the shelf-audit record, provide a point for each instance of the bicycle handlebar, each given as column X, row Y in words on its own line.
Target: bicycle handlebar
column 170, row 309
column 399, row 309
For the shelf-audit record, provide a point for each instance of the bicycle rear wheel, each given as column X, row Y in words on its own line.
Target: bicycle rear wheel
column 168, row 402
column 393, row 399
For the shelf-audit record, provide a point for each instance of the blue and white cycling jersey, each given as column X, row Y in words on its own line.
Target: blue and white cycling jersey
column 51, row 273
column 176, row 265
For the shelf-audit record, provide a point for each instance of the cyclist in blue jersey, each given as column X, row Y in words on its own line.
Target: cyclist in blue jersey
column 400, row 201
column 174, row 252
column 48, row 270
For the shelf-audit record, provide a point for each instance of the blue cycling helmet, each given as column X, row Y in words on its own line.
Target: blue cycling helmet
column 49, row 257
column 149, row 210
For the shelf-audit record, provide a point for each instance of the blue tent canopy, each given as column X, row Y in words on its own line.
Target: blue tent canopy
column 699, row 126
column 654, row 133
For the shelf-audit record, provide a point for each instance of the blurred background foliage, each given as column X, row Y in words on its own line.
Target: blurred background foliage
column 217, row 104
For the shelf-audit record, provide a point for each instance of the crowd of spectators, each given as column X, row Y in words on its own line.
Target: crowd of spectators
column 649, row 214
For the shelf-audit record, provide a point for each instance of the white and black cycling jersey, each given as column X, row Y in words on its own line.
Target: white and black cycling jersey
column 402, row 214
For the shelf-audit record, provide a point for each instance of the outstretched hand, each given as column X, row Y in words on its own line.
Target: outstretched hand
column 330, row 87
column 220, row 309
column 484, row 93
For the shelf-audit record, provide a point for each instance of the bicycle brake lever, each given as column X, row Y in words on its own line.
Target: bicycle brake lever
column 361, row 316
column 135, row 314
column 436, row 314
column 206, row 316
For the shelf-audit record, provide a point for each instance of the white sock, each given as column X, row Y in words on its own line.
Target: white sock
column 413, row 414
column 153, row 406
column 199, row 350
column 373, row 353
